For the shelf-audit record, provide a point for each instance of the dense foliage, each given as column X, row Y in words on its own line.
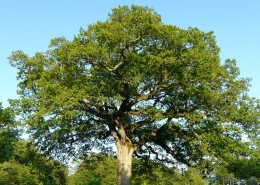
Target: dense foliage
column 8, row 135
column 100, row 169
column 20, row 162
column 156, row 90
column 13, row 173
column 27, row 166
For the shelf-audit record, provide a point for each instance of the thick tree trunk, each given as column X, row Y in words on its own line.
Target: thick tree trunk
column 124, row 163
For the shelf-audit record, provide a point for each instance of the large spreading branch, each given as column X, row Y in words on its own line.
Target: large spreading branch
column 172, row 152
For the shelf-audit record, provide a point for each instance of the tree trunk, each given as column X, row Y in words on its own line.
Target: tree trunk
column 124, row 163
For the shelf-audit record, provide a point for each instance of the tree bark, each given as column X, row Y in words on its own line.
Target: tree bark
column 124, row 162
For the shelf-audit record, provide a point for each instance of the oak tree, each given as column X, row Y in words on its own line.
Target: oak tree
column 155, row 90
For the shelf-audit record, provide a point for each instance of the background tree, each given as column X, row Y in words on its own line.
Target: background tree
column 96, row 167
column 13, row 173
column 47, row 170
column 21, row 162
column 155, row 90
column 27, row 166
column 8, row 135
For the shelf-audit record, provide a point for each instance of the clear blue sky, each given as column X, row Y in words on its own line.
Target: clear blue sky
column 29, row 25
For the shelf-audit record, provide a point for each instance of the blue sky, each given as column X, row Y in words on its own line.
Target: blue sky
column 29, row 25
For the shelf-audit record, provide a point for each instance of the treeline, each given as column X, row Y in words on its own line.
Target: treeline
column 22, row 164
column 100, row 169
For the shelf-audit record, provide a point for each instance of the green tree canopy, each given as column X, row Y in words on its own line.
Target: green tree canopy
column 27, row 166
column 8, row 134
column 13, row 173
column 21, row 162
column 96, row 166
column 47, row 170
column 155, row 90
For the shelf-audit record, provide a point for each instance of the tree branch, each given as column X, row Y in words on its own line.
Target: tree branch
column 114, row 132
column 149, row 95
column 171, row 152
column 122, row 56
